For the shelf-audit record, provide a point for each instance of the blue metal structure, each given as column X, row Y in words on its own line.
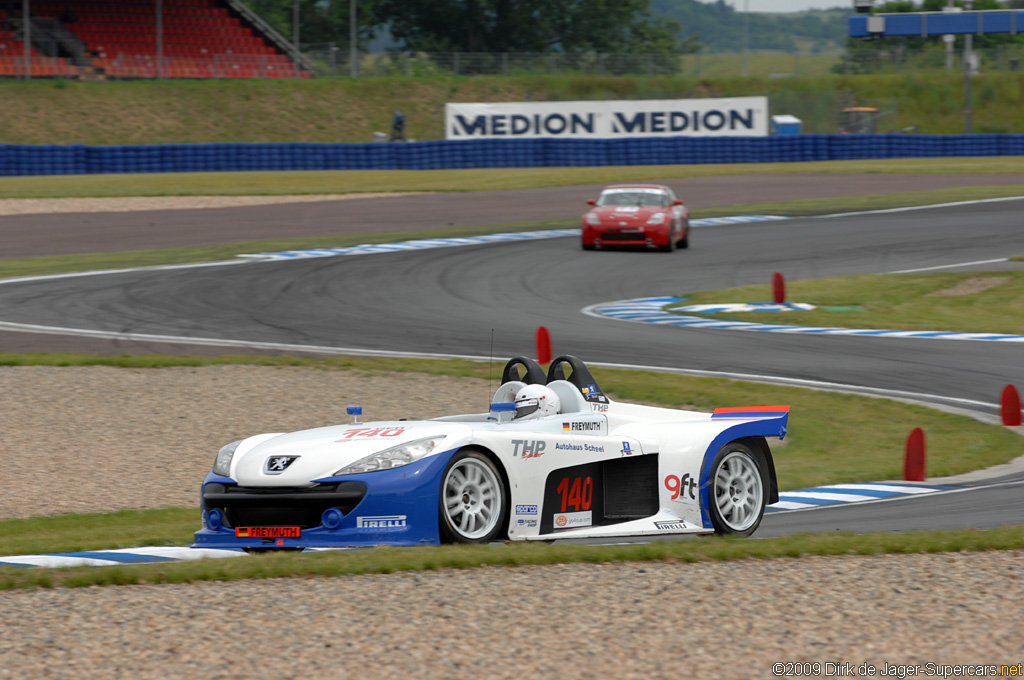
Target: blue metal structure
column 928, row 24
column 26, row 159
column 934, row 24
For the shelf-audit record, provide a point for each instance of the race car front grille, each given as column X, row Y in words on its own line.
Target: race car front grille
column 623, row 236
column 281, row 506
column 631, row 487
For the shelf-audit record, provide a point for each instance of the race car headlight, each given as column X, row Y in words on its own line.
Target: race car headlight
column 396, row 456
column 593, row 218
column 656, row 218
column 222, row 466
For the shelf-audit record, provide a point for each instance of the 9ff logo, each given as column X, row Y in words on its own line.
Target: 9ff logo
column 681, row 486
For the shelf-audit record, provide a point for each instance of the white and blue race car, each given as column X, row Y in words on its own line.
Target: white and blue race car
column 554, row 458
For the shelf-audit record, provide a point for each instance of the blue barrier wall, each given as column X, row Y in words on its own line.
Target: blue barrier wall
column 19, row 159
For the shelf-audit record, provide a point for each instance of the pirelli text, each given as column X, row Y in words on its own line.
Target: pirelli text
column 841, row 669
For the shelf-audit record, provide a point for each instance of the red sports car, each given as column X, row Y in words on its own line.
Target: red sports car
column 637, row 215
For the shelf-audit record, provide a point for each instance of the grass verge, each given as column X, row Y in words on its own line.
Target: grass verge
column 330, row 110
column 959, row 302
column 476, row 179
column 391, row 560
column 844, row 204
column 98, row 531
column 60, row 264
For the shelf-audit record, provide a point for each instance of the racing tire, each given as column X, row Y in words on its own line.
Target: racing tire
column 685, row 241
column 589, row 246
column 738, row 491
column 670, row 246
column 473, row 499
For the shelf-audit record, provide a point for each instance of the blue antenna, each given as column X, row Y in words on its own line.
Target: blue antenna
column 354, row 411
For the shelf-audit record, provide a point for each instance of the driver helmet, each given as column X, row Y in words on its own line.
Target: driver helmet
column 536, row 401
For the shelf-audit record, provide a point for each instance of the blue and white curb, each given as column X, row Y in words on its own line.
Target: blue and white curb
column 749, row 307
column 109, row 558
column 649, row 310
column 106, row 558
column 738, row 219
column 418, row 244
column 428, row 243
column 842, row 494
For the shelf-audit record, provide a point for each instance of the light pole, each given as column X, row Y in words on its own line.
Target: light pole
column 295, row 34
column 26, row 36
column 353, row 51
column 968, row 72
column 160, row 39
column 746, row 36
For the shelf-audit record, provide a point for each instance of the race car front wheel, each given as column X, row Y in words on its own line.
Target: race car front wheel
column 685, row 241
column 474, row 505
column 739, row 490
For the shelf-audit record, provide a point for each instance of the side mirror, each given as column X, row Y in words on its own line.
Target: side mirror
column 677, row 202
column 591, row 201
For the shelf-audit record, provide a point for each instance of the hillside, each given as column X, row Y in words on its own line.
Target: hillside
column 720, row 27
column 343, row 110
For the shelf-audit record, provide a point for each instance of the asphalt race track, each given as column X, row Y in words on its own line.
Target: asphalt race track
column 451, row 300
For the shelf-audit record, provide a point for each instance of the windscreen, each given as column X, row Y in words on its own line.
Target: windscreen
column 638, row 197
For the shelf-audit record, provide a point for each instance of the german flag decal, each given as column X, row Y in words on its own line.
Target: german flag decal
column 268, row 532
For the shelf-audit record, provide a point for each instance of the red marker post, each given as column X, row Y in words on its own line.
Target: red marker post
column 913, row 461
column 1010, row 406
column 779, row 288
column 543, row 345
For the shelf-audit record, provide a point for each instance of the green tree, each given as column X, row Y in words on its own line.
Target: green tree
column 529, row 26
column 319, row 22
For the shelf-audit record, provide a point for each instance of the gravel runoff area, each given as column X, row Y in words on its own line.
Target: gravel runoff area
column 70, row 428
column 738, row 619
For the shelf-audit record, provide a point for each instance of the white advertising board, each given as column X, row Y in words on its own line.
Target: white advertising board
column 732, row 117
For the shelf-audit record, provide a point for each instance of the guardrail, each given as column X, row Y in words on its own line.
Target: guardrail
column 20, row 159
column 892, row 56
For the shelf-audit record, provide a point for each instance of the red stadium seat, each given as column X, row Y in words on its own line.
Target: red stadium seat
column 202, row 39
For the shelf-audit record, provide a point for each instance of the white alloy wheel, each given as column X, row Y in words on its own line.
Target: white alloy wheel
column 472, row 499
column 738, row 492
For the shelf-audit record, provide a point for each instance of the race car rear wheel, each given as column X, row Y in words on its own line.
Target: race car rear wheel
column 474, row 504
column 738, row 491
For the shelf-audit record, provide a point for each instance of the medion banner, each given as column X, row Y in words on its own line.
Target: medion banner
column 733, row 117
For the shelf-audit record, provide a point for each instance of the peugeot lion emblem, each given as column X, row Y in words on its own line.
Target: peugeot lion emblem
column 277, row 464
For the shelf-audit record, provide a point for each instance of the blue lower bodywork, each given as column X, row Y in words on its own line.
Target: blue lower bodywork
column 411, row 492
column 769, row 427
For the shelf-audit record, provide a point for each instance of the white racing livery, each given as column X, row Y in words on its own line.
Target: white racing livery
column 554, row 458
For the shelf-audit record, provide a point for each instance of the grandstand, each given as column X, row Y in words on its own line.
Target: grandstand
column 104, row 39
